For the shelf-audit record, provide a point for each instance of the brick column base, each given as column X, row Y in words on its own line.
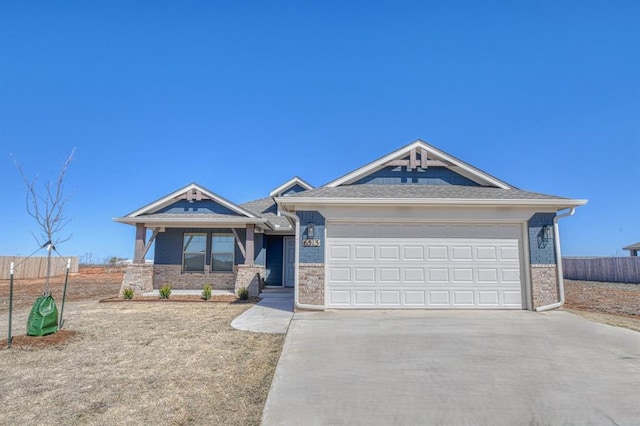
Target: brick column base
column 544, row 285
column 311, row 284
column 250, row 277
column 139, row 278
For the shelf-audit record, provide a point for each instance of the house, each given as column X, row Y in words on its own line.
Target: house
column 417, row 228
column 633, row 249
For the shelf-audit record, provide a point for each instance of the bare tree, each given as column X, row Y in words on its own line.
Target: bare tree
column 47, row 207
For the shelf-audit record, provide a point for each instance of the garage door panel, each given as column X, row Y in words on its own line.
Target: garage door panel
column 364, row 297
column 389, row 252
column 486, row 253
column 486, row 275
column 413, row 253
column 461, row 275
column 340, row 297
column 440, row 298
column 390, row 297
column 364, row 275
column 489, row 298
column 409, row 265
column 414, row 275
column 342, row 275
column 339, row 252
column 415, row 298
column 464, row 298
column 439, row 275
column 364, row 252
column 509, row 253
column 512, row 298
column 436, row 253
column 390, row 275
column 461, row 253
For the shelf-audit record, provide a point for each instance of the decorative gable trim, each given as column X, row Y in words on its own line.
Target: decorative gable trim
column 420, row 154
column 191, row 192
column 290, row 184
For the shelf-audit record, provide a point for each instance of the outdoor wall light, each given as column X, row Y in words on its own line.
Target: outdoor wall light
column 311, row 230
column 547, row 232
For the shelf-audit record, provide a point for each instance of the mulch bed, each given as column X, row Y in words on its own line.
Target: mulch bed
column 189, row 299
column 24, row 342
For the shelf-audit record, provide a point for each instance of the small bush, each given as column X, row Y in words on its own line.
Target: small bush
column 165, row 291
column 243, row 293
column 127, row 293
column 206, row 292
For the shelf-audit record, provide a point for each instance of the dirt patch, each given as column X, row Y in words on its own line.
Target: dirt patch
column 90, row 283
column 62, row 337
column 611, row 303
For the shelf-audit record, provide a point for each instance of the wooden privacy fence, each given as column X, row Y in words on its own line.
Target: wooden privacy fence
column 612, row 269
column 35, row 267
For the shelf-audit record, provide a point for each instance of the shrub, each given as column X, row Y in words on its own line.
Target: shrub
column 127, row 293
column 243, row 293
column 206, row 292
column 165, row 291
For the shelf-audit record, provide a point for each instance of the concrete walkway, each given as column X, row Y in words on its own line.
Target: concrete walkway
column 271, row 315
column 454, row 368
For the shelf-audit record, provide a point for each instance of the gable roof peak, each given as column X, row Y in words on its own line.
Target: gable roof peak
column 420, row 154
column 296, row 180
column 191, row 192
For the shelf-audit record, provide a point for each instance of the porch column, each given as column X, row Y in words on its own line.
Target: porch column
column 141, row 236
column 249, row 250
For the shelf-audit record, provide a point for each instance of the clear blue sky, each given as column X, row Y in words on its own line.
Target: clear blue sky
column 239, row 96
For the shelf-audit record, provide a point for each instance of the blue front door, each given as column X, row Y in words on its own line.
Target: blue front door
column 289, row 259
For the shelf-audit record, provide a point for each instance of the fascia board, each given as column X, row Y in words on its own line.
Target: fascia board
column 290, row 183
column 191, row 222
column 301, row 201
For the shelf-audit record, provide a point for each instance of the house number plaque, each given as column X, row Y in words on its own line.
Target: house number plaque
column 310, row 243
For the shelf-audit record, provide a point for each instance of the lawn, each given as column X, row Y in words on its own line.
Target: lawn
column 138, row 363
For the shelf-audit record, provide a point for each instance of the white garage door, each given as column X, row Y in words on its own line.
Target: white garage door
column 423, row 265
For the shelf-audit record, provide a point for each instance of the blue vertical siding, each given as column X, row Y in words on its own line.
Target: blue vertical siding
column 430, row 176
column 260, row 251
column 203, row 206
column 311, row 254
column 541, row 252
column 293, row 190
column 274, row 260
column 168, row 246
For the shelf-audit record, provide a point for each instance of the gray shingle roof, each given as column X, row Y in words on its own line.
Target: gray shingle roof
column 635, row 246
column 266, row 208
column 424, row 191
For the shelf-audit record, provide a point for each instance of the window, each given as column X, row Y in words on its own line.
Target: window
column 222, row 246
column 193, row 252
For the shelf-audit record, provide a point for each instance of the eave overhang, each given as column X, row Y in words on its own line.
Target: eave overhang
column 294, row 204
column 195, row 222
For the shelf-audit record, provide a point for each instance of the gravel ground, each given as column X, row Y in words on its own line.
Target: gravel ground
column 611, row 303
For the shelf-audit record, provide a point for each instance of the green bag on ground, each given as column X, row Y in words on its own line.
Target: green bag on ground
column 43, row 318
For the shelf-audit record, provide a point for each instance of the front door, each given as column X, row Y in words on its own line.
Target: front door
column 289, row 259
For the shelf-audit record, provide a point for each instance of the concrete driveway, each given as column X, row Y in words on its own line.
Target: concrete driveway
column 455, row 368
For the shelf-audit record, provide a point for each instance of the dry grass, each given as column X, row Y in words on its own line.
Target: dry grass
column 139, row 363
